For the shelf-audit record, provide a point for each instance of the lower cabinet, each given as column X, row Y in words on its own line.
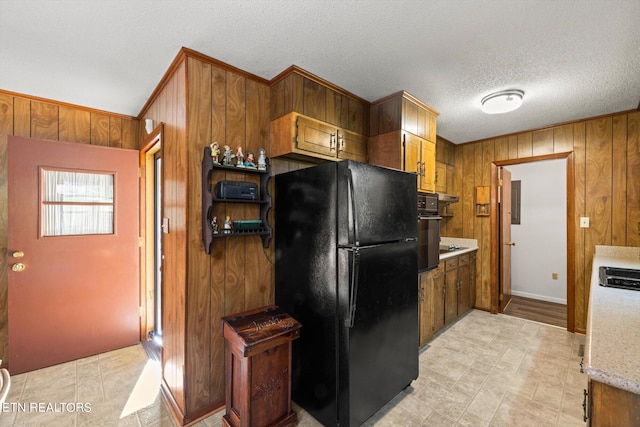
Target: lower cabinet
column 425, row 315
column 608, row 406
column 446, row 293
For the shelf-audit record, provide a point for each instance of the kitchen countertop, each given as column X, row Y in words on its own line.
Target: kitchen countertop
column 470, row 245
column 612, row 352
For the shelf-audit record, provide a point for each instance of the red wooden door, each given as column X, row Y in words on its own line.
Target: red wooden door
column 71, row 294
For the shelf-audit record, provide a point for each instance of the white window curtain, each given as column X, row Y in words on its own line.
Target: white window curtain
column 76, row 203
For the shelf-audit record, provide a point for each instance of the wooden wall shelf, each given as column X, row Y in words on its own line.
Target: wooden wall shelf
column 208, row 200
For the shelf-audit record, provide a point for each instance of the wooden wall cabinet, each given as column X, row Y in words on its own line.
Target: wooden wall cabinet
column 403, row 135
column 297, row 136
column 441, row 177
column 296, row 90
column 406, row 151
column 403, row 111
column 608, row 406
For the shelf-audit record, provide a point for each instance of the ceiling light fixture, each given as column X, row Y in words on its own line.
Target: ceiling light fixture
column 502, row 102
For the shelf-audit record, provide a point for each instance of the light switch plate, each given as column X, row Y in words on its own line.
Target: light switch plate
column 584, row 222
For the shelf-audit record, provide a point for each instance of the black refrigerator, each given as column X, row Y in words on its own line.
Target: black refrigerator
column 346, row 268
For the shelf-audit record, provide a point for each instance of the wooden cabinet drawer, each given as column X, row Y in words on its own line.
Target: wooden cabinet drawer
column 451, row 263
column 463, row 260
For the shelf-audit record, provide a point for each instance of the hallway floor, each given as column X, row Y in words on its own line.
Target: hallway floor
column 485, row 370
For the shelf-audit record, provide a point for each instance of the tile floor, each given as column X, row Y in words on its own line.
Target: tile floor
column 485, row 370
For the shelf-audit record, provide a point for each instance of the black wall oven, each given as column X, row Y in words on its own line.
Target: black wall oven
column 428, row 232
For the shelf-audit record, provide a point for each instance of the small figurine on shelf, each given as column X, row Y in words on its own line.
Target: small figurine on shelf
column 239, row 157
column 250, row 163
column 262, row 160
column 227, row 156
column 214, row 225
column 215, row 152
column 228, row 225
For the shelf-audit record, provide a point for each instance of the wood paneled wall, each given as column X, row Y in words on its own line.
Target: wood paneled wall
column 606, row 189
column 202, row 100
column 298, row 90
column 22, row 115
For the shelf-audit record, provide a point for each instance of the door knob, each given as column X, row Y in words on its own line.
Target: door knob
column 510, row 244
column 17, row 254
column 18, row 267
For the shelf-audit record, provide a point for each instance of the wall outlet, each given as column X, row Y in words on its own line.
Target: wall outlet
column 554, row 276
column 584, row 222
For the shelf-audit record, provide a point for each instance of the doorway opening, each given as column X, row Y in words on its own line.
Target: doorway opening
column 496, row 244
column 151, row 219
column 157, row 247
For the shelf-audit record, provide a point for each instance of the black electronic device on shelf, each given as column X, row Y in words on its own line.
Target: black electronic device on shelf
column 240, row 190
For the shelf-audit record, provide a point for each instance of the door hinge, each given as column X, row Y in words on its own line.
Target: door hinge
column 500, row 182
column 501, row 297
column 141, row 310
column 140, row 242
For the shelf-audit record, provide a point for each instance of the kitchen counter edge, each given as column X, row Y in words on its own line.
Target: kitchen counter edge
column 612, row 352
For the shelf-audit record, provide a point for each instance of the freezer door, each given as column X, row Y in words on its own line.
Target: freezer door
column 375, row 204
column 378, row 327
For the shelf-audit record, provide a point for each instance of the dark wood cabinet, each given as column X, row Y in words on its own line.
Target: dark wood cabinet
column 425, row 307
column 446, row 293
column 472, row 279
column 431, row 303
column 608, row 406
column 451, row 290
column 437, row 277
column 464, row 284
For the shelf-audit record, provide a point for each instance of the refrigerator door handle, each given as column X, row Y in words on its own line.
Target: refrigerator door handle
column 353, row 287
column 352, row 200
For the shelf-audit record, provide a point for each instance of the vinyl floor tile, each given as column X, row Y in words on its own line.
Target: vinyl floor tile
column 484, row 370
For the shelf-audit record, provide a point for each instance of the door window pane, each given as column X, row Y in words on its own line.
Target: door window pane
column 76, row 203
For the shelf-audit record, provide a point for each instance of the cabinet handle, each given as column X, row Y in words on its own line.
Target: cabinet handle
column 584, row 406
column 332, row 141
column 418, row 168
column 424, row 172
column 582, row 365
column 341, row 139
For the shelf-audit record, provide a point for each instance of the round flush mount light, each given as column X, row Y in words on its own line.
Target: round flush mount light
column 502, row 102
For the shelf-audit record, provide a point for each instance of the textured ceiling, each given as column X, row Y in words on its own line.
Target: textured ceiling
column 573, row 58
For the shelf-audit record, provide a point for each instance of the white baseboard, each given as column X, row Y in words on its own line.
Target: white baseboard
column 540, row 297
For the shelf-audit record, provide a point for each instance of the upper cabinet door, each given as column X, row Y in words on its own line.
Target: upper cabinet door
column 441, row 177
column 352, row 146
column 316, row 137
column 428, row 166
column 411, row 145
